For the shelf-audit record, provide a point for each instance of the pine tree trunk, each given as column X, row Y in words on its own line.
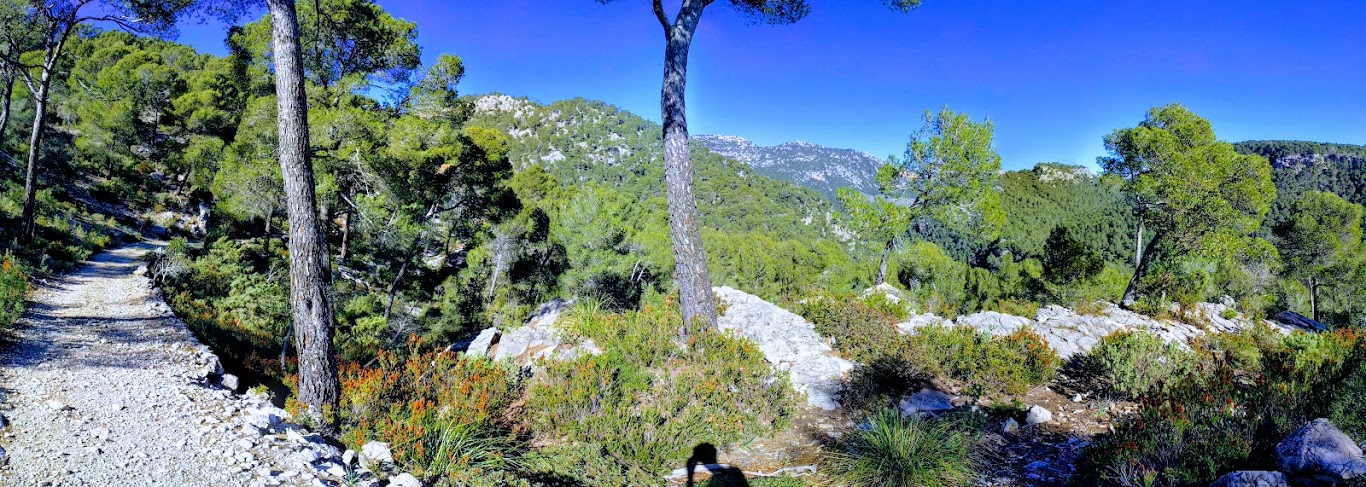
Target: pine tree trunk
column 35, row 144
column 6, row 97
column 690, row 258
column 1138, row 245
column 1140, row 269
column 1314, row 298
column 346, row 236
column 882, row 268
column 309, row 268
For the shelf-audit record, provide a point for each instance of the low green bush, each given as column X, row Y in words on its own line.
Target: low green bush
column 13, row 287
column 1252, row 389
column 647, row 401
column 903, row 451
column 1136, row 363
column 862, row 332
column 1010, row 364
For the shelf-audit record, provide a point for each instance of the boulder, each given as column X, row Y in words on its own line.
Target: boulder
column 480, row 346
column 537, row 339
column 789, row 342
column 1037, row 415
column 228, row 381
column 925, row 401
column 1320, row 454
column 404, row 480
column 266, row 418
column 1251, row 478
column 375, row 454
column 1010, row 426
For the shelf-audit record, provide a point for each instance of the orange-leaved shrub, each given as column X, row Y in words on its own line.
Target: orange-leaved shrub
column 441, row 414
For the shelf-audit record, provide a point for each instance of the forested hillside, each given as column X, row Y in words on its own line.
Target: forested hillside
column 491, row 285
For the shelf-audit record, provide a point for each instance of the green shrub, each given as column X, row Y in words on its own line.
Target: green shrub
column 1346, row 409
column 1010, row 364
column 897, row 451
column 646, row 401
column 13, row 287
column 1137, row 363
column 861, row 332
column 1257, row 388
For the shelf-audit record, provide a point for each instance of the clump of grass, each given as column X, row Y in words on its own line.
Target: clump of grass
column 897, row 451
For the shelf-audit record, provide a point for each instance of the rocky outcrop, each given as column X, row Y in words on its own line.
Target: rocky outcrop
column 1070, row 333
column 1320, row 454
column 1252, row 478
column 789, row 342
column 537, row 340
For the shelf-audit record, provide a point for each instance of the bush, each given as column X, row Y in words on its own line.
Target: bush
column 861, row 332
column 1137, row 363
column 646, row 402
column 13, row 286
column 897, row 451
column 441, row 414
column 1258, row 388
column 1009, row 364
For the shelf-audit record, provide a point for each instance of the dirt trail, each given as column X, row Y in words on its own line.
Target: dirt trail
column 104, row 387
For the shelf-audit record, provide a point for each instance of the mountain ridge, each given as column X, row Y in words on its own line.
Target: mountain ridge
column 825, row 169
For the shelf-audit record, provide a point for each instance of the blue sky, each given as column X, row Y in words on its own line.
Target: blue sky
column 1054, row 76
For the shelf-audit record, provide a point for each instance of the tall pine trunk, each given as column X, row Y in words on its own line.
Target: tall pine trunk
column 6, row 97
column 690, row 258
column 882, row 268
column 309, row 268
column 1314, row 298
column 35, row 144
column 1140, row 269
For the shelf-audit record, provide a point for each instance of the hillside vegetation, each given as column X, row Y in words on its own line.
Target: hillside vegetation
column 446, row 217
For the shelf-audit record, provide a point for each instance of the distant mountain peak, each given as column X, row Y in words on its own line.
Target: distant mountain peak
column 822, row 168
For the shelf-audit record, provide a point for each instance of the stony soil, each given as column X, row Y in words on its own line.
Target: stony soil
column 104, row 386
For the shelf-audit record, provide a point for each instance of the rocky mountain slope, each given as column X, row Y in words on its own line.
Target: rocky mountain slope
column 822, row 168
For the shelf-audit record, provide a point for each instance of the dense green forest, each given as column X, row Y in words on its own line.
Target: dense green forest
column 445, row 214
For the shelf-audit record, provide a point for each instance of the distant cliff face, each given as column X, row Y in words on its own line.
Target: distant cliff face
column 815, row 166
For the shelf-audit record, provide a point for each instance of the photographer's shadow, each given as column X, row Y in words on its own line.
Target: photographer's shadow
column 704, row 457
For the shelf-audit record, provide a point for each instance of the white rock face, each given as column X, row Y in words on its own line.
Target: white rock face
column 789, row 342
column 480, row 346
column 1069, row 333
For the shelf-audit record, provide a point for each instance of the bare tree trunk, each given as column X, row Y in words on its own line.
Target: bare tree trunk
column 346, row 236
column 1314, row 298
column 1138, row 245
column 1140, row 269
column 690, row 258
column 35, row 144
column 882, row 268
column 309, row 268
column 6, row 97
column 265, row 246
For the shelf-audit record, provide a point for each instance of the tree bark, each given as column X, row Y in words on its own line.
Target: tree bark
column 1138, row 244
column 882, row 268
column 1314, row 298
column 346, row 236
column 309, row 267
column 35, row 143
column 6, row 97
column 1140, row 269
column 690, row 258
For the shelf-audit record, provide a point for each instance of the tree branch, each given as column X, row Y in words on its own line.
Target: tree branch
column 663, row 19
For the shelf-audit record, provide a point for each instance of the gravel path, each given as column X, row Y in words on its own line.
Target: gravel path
column 105, row 386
